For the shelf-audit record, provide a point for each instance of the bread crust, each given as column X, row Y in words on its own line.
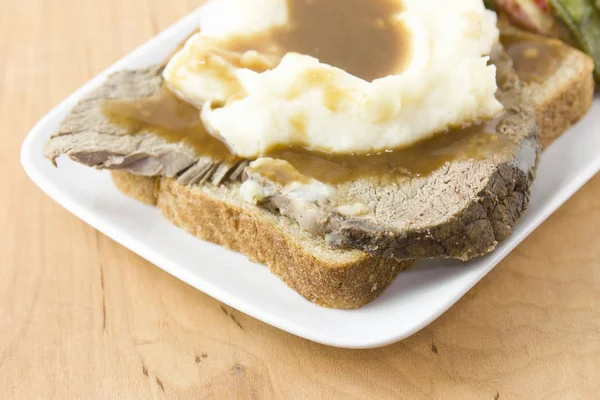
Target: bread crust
column 345, row 279
column 141, row 188
column 569, row 104
column 565, row 97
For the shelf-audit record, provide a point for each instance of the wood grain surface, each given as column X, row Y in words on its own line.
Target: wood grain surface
column 82, row 317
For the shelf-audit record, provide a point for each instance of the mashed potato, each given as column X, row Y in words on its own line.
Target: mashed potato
column 260, row 100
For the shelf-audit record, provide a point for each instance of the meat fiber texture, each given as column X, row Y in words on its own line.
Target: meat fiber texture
column 461, row 210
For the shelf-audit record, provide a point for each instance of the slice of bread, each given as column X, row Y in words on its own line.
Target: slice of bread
column 329, row 277
column 215, row 212
column 566, row 96
column 326, row 276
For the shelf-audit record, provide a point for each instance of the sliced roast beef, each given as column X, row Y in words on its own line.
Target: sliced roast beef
column 461, row 210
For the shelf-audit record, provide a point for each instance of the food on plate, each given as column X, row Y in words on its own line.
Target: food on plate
column 326, row 276
column 559, row 80
column 337, row 141
column 573, row 21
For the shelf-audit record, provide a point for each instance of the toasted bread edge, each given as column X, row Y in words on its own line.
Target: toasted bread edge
column 344, row 279
column 567, row 97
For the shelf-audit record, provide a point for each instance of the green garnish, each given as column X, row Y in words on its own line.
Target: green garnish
column 583, row 20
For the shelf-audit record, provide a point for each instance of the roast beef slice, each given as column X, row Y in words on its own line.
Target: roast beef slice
column 87, row 137
column 461, row 210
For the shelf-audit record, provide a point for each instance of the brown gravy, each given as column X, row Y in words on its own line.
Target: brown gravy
column 362, row 37
column 535, row 59
column 279, row 171
column 168, row 117
column 475, row 142
column 176, row 121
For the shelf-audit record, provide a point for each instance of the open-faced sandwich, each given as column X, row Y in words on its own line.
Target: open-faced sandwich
column 338, row 141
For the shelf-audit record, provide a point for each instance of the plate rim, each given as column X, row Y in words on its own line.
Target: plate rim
column 39, row 130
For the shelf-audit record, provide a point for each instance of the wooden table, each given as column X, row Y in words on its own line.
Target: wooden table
column 82, row 317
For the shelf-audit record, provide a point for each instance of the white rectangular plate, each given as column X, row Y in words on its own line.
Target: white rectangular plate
column 414, row 300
